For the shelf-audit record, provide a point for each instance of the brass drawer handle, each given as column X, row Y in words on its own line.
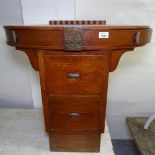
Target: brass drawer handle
column 73, row 75
column 74, row 114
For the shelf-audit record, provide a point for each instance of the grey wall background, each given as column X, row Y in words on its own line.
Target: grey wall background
column 15, row 87
column 131, row 89
column 10, row 12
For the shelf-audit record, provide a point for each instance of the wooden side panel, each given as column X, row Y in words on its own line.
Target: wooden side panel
column 33, row 57
column 115, row 56
column 43, row 89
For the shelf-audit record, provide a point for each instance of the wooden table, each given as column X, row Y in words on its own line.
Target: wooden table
column 74, row 62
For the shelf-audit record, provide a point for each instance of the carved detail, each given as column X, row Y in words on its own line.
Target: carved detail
column 73, row 39
column 115, row 56
column 77, row 22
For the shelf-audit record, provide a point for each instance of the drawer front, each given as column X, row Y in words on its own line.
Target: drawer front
column 74, row 112
column 87, row 121
column 76, row 74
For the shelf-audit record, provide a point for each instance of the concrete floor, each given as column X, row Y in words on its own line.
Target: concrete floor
column 125, row 147
column 22, row 133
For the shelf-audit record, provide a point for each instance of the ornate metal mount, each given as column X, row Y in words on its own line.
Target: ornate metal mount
column 73, row 39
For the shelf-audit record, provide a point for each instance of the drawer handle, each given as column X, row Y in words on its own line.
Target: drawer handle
column 137, row 38
column 74, row 114
column 73, row 75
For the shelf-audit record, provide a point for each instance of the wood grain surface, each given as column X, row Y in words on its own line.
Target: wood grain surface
column 87, row 142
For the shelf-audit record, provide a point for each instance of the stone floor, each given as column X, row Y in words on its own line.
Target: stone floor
column 22, row 133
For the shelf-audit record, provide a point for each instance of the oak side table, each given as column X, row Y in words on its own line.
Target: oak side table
column 74, row 59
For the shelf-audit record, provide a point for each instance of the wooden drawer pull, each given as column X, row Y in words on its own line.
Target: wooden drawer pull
column 73, row 75
column 74, row 114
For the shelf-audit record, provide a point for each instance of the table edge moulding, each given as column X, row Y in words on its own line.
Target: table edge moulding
column 74, row 59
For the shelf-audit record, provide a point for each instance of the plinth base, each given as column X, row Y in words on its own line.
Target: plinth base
column 75, row 142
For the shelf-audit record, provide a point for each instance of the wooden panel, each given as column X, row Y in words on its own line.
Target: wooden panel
column 93, row 72
column 102, row 105
column 74, row 103
column 117, row 38
column 43, row 92
column 33, row 57
column 85, row 107
column 115, row 56
column 75, row 142
column 51, row 37
column 40, row 37
column 83, row 122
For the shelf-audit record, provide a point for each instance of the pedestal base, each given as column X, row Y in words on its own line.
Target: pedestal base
column 86, row 142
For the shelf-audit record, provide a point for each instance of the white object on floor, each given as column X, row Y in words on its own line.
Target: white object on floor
column 22, row 133
column 148, row 122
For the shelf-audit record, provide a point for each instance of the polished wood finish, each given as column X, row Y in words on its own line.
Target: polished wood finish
column 75, row 113
column 86, row 142
column 74, row 65
column 52, row 37
column 92, row 71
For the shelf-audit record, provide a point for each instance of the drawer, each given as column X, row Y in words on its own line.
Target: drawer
column 74, row 103
column 85, row 121
column 74, row 74
column 74, row 112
